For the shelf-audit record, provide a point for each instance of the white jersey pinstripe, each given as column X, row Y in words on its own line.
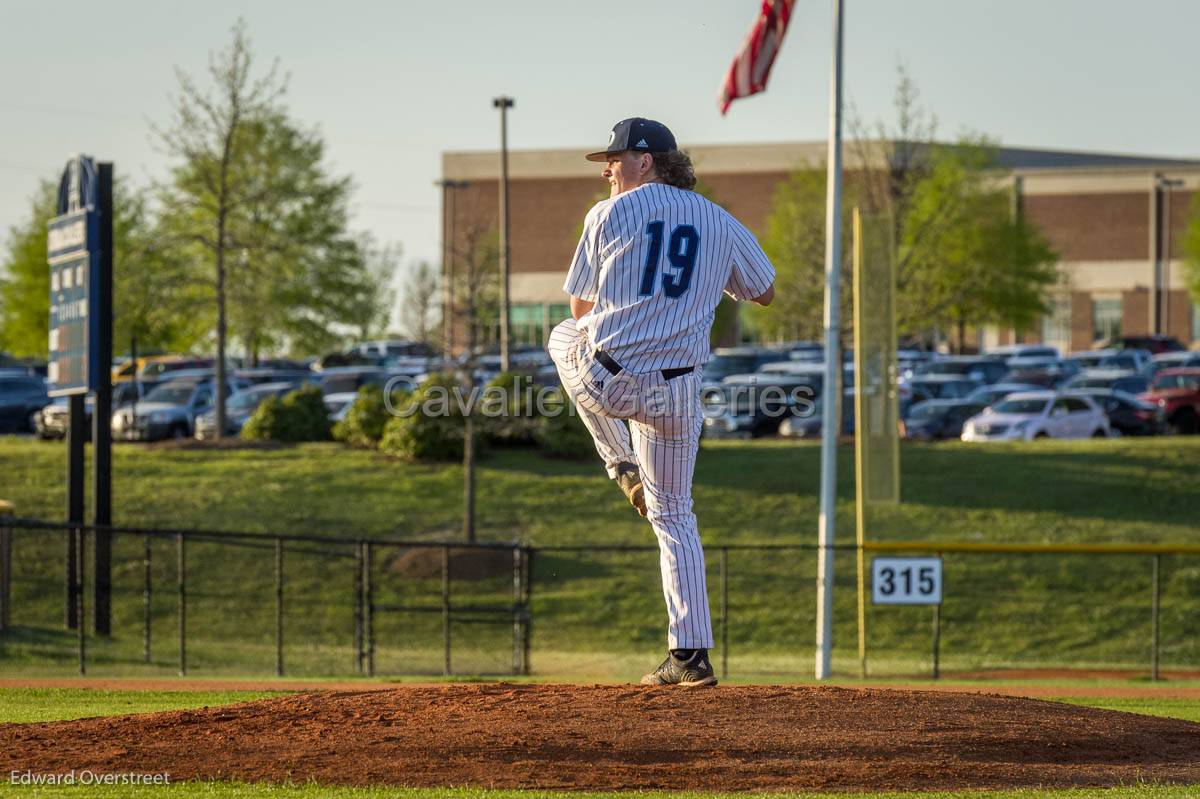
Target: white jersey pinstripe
column 655, row 261
column 656, row 312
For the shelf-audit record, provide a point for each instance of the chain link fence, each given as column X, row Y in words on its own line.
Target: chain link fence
column 206, row 602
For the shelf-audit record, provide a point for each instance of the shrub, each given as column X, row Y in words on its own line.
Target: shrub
column 436, row 435
column 509, row 410
column 364, row 422
column 561, row 433
column 297, row 416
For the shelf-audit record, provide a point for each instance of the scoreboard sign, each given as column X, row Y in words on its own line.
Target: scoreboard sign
column 73, row 244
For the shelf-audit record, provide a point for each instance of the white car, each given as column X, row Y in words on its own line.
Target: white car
column 1038, row 414
column 338, row 404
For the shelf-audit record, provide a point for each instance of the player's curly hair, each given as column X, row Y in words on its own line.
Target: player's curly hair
column 675, row 169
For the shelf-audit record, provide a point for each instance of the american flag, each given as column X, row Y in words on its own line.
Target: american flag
column 752, row 65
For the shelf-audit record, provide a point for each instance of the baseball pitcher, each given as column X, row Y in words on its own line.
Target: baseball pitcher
column 649, row 271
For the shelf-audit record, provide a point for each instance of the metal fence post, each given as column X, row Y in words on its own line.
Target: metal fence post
column 937, row 638
column 1155, row 593
column 278, row 607
column 147, row 597
column 528, row 608
column 359, row 653
column 369, row 631
column 724, row 612
column 937, row 632
column 6, row 512
column 516, row 610
column 81, row 552
column 445, row 609
column 181, row 568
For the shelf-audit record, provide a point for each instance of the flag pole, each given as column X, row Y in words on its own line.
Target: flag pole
column 832, row 390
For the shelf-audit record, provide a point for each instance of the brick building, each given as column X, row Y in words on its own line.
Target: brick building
column 1105, row 215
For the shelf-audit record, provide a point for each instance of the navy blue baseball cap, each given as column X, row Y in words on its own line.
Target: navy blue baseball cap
column 637, row 134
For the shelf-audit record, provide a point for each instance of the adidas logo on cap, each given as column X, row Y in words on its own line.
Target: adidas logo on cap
column 641, row 143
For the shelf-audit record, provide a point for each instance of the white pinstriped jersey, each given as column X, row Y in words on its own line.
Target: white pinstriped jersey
column 655, row 261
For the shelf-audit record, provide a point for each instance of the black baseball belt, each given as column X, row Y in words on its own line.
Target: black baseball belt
column 610, row 363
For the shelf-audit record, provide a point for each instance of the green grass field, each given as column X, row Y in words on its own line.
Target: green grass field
column 599, row 616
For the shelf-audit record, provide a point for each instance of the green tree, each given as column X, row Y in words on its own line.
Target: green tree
column 1191, row 250
column 301, row 279
column 795, row 243
column 25, row 280
column 961, row 255
column 260, row 220
column 421, row 309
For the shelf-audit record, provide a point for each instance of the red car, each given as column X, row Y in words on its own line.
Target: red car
column 1177, row 392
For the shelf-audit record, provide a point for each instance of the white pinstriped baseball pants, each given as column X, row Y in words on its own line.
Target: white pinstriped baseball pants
column 662, row 438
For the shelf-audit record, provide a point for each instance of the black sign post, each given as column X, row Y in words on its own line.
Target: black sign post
column 79, row 244
column 102, row 413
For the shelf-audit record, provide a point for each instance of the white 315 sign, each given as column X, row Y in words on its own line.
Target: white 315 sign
column 906, row 581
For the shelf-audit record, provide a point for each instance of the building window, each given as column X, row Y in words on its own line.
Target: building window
column 1056, row 325
column 530, row 322
column 1106, row 320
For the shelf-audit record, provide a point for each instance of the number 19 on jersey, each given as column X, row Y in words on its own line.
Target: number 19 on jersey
column 906, row 581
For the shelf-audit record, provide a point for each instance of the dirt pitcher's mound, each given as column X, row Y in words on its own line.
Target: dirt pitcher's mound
column 614, row 737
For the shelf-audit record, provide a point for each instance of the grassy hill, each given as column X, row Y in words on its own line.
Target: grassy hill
column 600, row 614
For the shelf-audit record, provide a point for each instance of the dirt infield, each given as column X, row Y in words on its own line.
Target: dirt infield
column 624, row 737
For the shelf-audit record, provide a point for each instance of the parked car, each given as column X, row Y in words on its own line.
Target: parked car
column 810, row 424
column 265, row 374
column 22, row 395
column 1047, row 372
column 52, row 420
column 169, row 410
column 1131, row 360
column 338, row 404
column 938, row 386
column 1007, row 351
column 908, row 360
column 803, row 351
column 1169, row 360
column 350, row 378
column 726, row 361
column 985, row 370
column 932, row 420
column 1154, row 343
column 1127, row 414
column 160, row 367
column 1037, row 414
column 1115, row 379
column 392, row 348
column 809, row 374
column 239, row 407
column 754, row 405
column 1177, row 392
column 990, row 395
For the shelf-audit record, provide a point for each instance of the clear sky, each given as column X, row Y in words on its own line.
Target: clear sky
column 394, row 84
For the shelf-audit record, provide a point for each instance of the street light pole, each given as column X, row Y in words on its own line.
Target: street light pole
column 503, row 103
column 1166, row 185
column 449, row 192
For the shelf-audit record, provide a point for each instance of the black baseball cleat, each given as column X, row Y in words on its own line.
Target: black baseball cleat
column 629, row 478
column 695, row 671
